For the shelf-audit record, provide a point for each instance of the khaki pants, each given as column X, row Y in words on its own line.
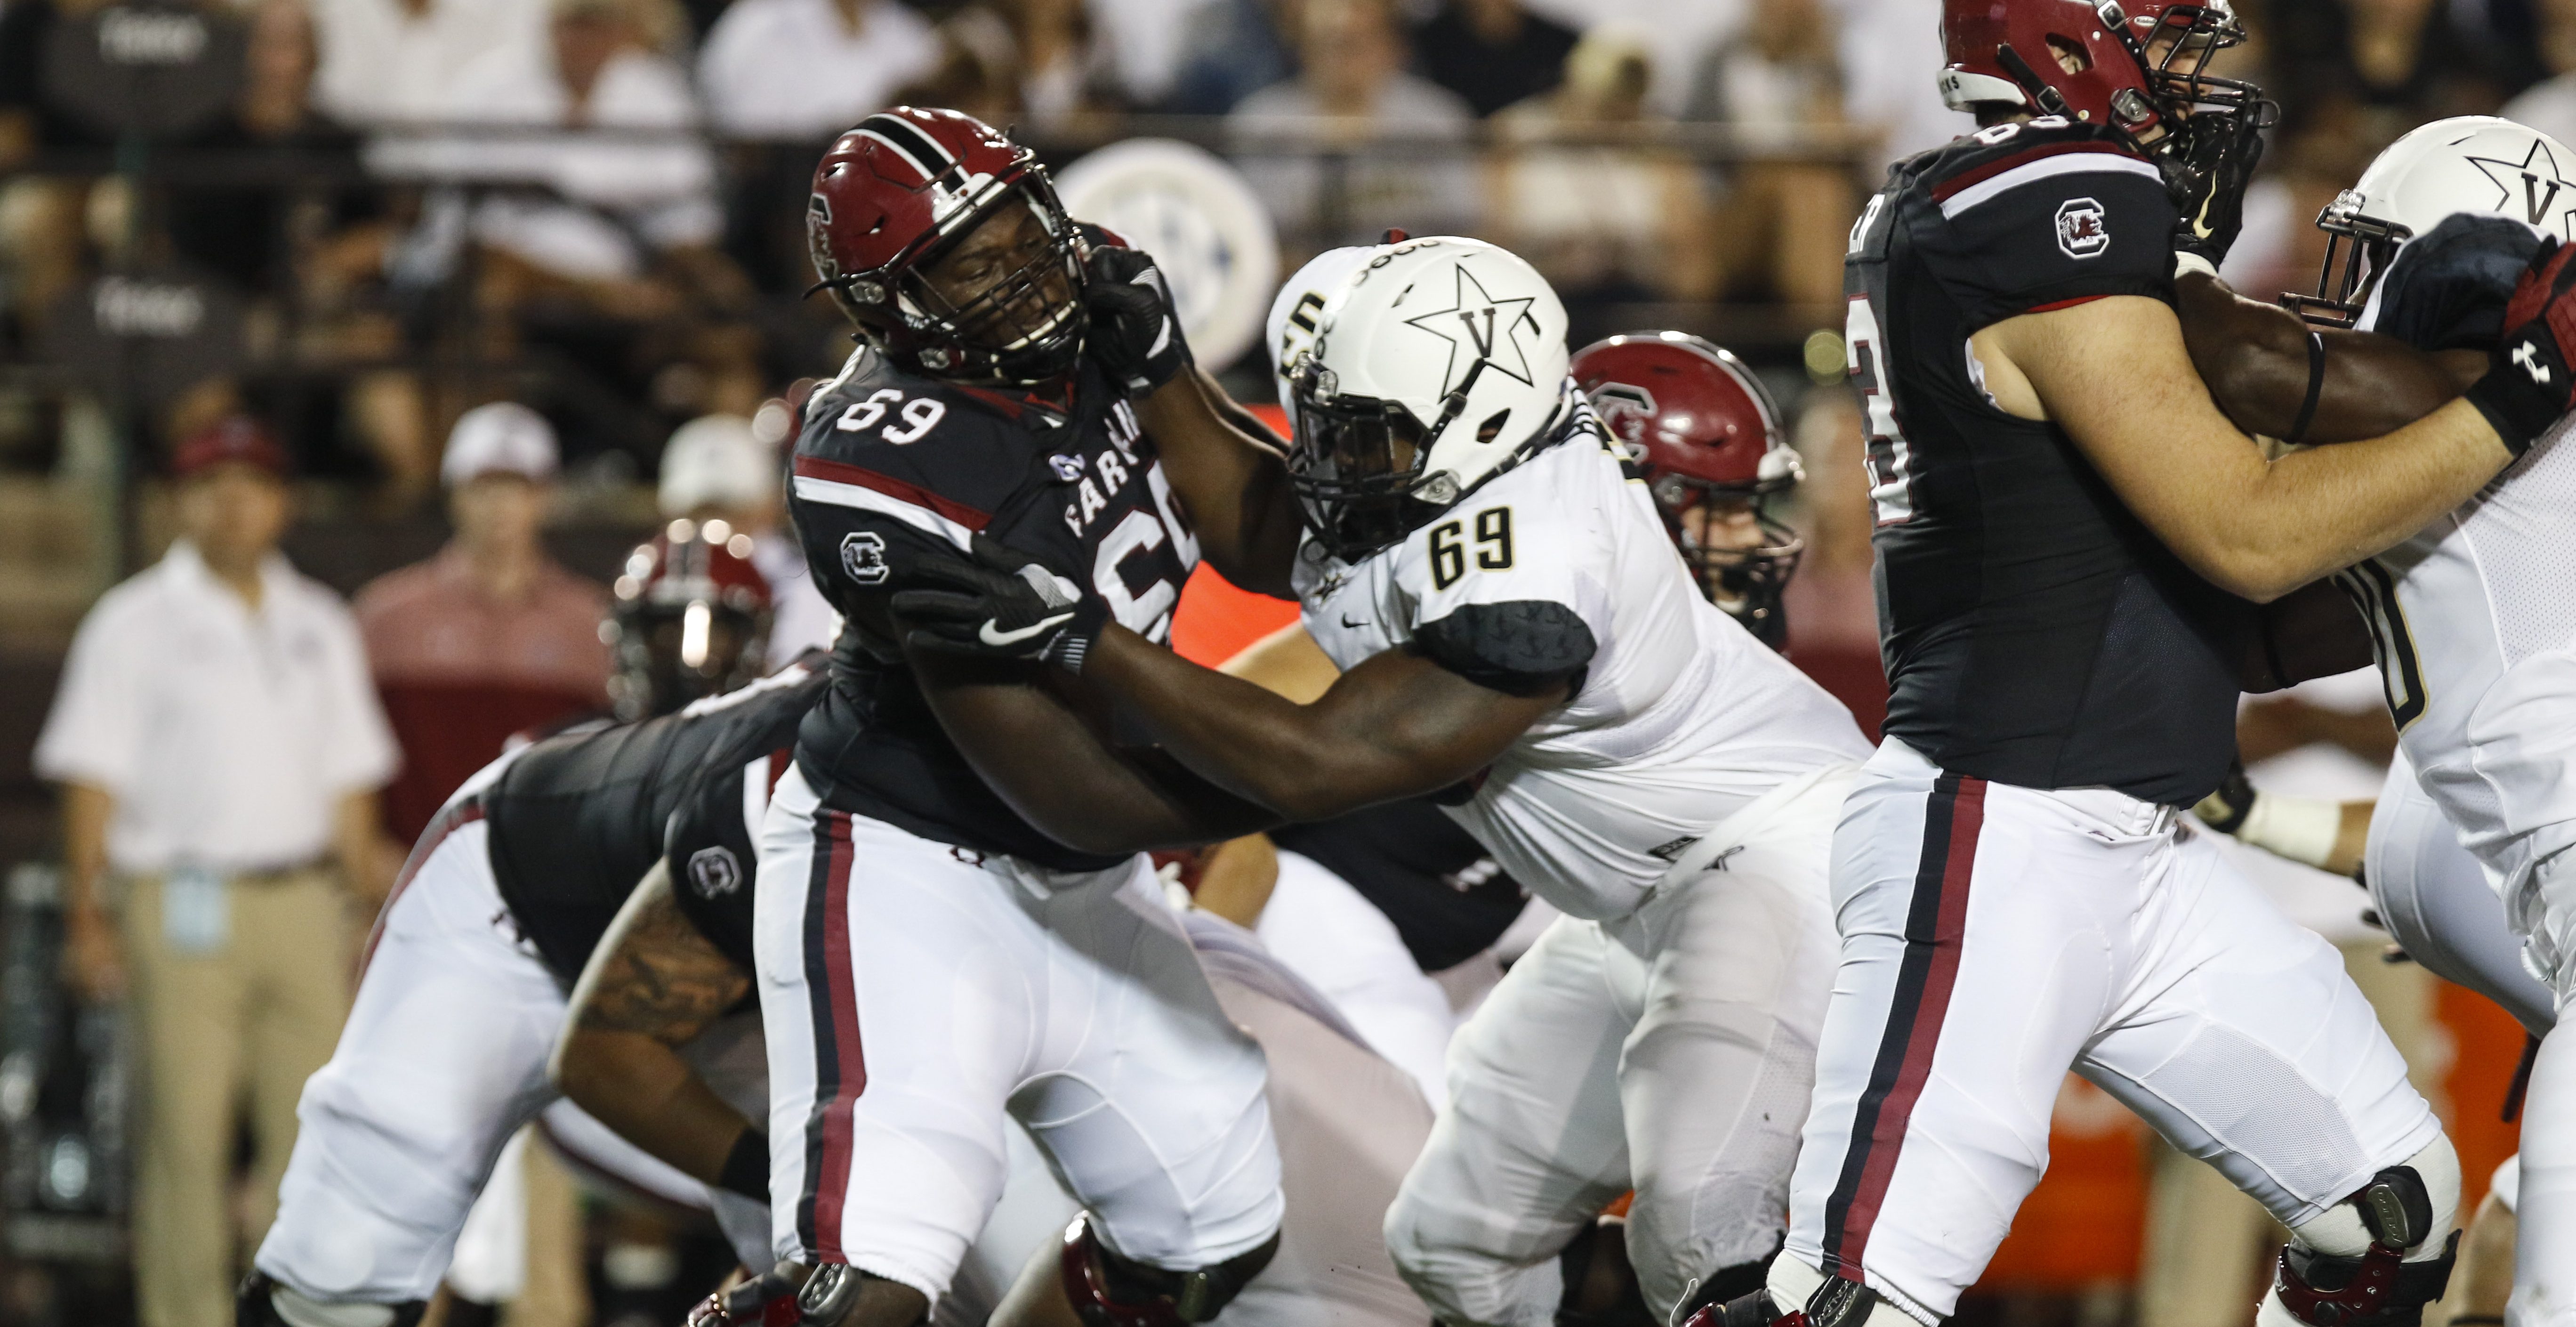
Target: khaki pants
column 255, row 1014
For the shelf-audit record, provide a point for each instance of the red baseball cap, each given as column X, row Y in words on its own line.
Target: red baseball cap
column 236, row 438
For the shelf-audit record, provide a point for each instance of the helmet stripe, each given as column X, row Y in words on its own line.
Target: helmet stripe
column 906, row 140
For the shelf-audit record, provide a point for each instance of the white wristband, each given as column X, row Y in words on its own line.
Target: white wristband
column 2185, row 261
column 2302, row 829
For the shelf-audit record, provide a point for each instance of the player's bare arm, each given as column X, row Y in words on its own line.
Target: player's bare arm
column 1398, row 725
column 2260, row 361
column 1060, row 773
column 2255, row 527
column 1226, row 466
column 654, row 984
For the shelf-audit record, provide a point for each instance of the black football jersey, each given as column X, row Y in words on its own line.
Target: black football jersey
column 579, row 818
column 2034, row 631
column 892, row 467
column 1444, row 892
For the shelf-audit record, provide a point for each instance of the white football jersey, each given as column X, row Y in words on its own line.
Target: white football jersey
column 1681, row 718
column 2475, row 627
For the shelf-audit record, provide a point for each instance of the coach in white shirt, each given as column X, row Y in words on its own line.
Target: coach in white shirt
column 219, row 746
column 800, row 69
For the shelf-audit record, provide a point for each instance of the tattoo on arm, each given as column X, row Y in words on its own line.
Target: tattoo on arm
column 662, row 979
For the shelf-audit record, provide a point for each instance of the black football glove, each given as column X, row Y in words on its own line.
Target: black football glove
column 1001, row 605
column 2528, row 387
column 1134, row 329
column 2206, row 174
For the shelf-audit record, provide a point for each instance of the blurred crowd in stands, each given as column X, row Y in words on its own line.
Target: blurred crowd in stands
column 608, row 193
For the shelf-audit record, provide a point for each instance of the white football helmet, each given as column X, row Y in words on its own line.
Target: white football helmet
column 2468, row 163
column 1438, row 364
column 1296, row 311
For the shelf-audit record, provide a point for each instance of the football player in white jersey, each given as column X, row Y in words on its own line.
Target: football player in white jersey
column 2470, row 617
column 1513, row 625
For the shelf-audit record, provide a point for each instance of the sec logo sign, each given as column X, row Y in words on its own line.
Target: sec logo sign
column 2081, row 232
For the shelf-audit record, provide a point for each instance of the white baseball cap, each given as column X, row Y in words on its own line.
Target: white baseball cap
column 501, row 438
column 715, row 461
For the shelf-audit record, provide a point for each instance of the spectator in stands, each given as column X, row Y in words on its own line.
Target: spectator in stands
column 490, row 636
column 1784, row 221
column 2358, row 73
column 398, row 61
column 1065, row 71
column 1605, row 219
column 1238, row 47
column 716, row 467
column 2550, row 105
column 219, row 751
column 1352, row 94
column 618, row 203
column 807, row 69
column 1492, row 52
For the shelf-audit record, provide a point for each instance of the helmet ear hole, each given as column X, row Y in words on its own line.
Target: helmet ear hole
column 2070, row 55
column 1493, row 428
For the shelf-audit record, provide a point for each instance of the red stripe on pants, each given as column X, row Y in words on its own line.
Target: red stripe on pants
column 1949, row 930
column 832, row 1186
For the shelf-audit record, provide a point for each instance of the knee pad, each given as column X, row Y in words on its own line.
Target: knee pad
column 1108, row 1289
column 2323, row 1280
column 1835, row 1303
column 263, row 1302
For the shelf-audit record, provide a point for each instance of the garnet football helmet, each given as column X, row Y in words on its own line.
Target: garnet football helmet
column 2468, row 163
column 1703, row 430
column 898, row 193
column 2128, row 68
column 691, row 619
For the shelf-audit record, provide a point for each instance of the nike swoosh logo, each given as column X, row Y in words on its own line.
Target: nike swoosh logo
column 1348, row 624
column 992, row 637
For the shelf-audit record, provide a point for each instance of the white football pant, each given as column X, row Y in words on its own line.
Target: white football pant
column 915, row 994
column 442, row 1060
column 1992, row 938
column 1668, row 1051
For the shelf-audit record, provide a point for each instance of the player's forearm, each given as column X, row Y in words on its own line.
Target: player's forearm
column 1054, row 770
column 2317, row 511
column 2259, row 363
column 1393, row 727
column 1226, row 468
column 647, row 1094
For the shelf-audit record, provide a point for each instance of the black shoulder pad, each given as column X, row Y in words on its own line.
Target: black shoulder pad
column 2043, row 219
column 2447, row 288
column 1526, row 647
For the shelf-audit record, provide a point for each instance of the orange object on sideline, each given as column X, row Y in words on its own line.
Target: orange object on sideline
column 2486, row 1044
column 1216, row 620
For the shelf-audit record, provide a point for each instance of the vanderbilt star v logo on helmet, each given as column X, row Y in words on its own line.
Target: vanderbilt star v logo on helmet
column 2544, row 197
column 1492, row 331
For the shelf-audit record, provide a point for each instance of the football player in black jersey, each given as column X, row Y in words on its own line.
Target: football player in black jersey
column 2068, row 532
column 929, row 960
column 464, row 980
